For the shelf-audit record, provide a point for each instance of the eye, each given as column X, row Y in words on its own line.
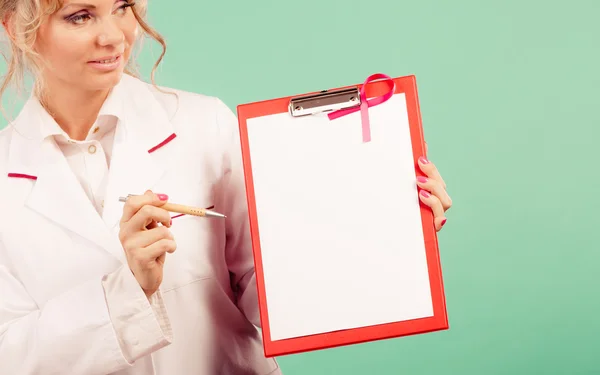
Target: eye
column 123, row 8
column 79, row 18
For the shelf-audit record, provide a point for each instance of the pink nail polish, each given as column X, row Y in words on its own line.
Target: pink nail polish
column 162, row 197
column 443, row 222
column 422, row 179
column 425, row 193
column 424, row 160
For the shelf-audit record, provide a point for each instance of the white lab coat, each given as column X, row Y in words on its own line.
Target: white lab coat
column 56, row 316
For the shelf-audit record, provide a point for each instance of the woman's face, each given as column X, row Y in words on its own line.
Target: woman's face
column 87, row 43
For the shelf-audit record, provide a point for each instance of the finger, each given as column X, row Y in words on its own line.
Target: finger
column 434, row 203
column 426, row 149
column 436, row 188
column 146, row 215
column 157, row 249
column 439, row 223
column 146, row 238
column 136, row 202
column 430, row 170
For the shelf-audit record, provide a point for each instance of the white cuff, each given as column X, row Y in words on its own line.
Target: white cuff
column 142, row 325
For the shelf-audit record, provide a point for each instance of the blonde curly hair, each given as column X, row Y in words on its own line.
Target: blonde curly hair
column 26, row 17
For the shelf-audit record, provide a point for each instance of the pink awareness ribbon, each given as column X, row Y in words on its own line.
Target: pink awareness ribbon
column 365, row 104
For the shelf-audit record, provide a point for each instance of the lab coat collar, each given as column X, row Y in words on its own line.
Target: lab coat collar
column 131, row 100
column 112, row 108
column 143, row 144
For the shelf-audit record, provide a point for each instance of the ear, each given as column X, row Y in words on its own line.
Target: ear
column 8, row 26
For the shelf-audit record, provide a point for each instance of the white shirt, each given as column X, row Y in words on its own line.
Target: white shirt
column 89, row 159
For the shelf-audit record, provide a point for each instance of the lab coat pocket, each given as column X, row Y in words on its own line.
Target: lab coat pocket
column 198, row 239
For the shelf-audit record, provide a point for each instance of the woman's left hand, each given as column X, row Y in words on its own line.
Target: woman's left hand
column 433, row 192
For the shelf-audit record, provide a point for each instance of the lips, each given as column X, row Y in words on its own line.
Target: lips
column 106, row 60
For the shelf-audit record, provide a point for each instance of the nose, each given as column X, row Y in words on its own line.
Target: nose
column 110, row 34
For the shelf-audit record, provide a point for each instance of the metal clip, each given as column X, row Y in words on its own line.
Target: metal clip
column 324, row 101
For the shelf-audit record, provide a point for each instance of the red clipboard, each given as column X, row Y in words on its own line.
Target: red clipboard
column 301, row 107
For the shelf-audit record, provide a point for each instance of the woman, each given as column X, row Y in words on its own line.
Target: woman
column 86, row 285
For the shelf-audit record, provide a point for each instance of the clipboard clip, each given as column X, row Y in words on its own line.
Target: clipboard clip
column 342, row 102
column 325, row 101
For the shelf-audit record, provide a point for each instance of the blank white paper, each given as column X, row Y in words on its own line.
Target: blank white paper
column 340, row 227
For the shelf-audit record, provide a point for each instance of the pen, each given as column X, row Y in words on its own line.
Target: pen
column 182, row 209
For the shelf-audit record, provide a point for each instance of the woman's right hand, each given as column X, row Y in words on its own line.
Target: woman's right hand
column 145, row 242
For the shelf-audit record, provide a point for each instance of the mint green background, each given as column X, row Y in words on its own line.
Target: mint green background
column 509, row 96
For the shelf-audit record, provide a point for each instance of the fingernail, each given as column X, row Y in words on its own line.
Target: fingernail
column 162, row 197
column 171, row 222
column 443, row 222
column 423, row 160
column 422, row 179
column 425, row 193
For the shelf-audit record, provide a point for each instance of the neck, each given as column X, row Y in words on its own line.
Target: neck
column 75, row 110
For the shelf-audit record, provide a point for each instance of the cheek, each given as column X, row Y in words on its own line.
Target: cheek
column 130, row 30
column 64, row 47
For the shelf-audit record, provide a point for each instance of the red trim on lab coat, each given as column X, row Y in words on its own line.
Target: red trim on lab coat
column 21, row 175
column 161, row 144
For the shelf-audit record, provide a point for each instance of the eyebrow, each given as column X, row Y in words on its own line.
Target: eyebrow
column 83, row 5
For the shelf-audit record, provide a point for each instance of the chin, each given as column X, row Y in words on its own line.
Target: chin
column 105, row 81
